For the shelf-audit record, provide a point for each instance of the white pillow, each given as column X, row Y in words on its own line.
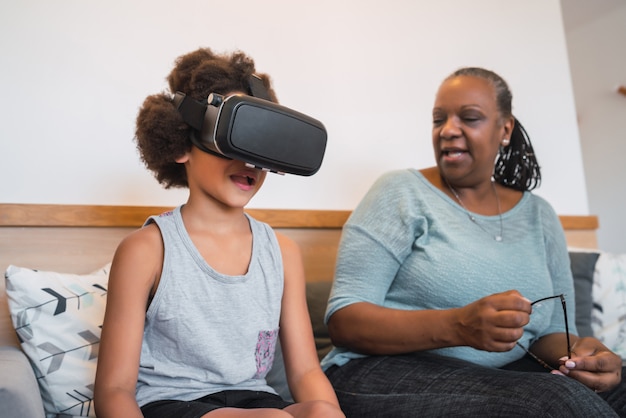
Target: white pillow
column 608, row 315
column 58, row 318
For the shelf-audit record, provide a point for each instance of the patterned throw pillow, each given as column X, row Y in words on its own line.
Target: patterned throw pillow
column 608, row 316
column 58, row 318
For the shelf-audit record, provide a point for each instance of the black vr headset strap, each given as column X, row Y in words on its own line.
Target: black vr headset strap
column 193, row 112
column 257, row 88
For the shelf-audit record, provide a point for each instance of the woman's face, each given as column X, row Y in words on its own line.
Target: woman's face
column 467, row 129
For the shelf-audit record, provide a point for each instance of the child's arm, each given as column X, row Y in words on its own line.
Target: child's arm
column 136, row 265
column 307, row 381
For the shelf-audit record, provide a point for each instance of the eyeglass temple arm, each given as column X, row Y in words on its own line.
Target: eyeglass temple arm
column 562, row 297
column 569, row 347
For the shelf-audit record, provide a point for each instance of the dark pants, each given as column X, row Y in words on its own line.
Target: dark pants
column 428, row 385
column 245, row 399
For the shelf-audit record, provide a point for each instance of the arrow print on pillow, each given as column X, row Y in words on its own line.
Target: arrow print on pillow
column 62, row 301
column 57, row 356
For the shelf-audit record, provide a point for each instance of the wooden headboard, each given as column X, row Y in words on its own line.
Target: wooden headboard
column 82, row 238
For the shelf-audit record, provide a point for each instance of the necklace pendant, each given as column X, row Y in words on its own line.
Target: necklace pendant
column 497, row 238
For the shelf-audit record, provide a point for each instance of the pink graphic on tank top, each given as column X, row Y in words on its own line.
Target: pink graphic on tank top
column 265, row 348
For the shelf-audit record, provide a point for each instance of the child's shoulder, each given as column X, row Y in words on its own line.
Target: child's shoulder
column 286, row 243
column 146, row 239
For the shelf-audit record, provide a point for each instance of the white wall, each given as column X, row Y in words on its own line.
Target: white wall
column 75, row 72
column 598, row 64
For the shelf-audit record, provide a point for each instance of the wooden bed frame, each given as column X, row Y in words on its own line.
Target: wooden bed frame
column 83, row 238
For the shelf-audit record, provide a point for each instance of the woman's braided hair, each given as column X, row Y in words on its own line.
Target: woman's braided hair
column 161, row 134
column 516, row 165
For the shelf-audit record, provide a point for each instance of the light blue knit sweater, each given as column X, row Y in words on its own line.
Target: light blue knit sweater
column 409, row 246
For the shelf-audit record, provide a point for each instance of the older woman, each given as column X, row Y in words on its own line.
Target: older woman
column 432, row 307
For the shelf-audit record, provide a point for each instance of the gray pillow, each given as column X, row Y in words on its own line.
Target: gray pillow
column 583, row 265
column 19, row 393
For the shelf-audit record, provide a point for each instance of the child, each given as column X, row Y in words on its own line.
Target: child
column 197, row 297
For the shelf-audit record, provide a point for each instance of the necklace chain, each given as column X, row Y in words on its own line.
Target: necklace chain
column 472, row 217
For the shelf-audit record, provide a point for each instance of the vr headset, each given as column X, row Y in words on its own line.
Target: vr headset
column 255, row 130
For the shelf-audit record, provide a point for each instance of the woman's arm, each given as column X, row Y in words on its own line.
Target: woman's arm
column 307, row 381
column 136, row 265
column 493, row 323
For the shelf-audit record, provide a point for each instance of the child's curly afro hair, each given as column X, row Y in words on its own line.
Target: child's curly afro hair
column 161, row 134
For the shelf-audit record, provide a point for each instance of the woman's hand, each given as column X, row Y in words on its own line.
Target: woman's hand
column 592, row 364
column 495, row 322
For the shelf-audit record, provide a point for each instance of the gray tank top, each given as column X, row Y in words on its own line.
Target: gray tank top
column 206, row 332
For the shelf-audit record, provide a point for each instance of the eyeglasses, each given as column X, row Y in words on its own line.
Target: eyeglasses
column 569, row 348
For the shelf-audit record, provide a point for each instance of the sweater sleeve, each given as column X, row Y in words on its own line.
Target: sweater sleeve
column 377, row 238
column 560, row 271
